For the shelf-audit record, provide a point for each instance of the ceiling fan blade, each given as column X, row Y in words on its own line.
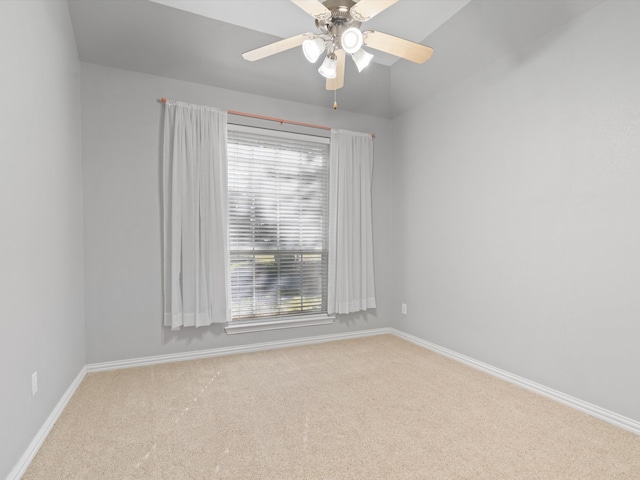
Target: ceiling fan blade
column 338, row 82
column 366, row 9
column 314, row 8
column 397, row 46
column 276, row 47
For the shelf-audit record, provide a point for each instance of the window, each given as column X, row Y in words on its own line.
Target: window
column 278, row 221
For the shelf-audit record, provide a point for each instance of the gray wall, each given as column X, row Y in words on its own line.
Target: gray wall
column 514, row 237
column 516, row 198
column 121, row 119
column 41, row 271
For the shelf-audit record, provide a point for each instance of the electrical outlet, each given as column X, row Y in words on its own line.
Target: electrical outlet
column 404, row 308
column 34, row 383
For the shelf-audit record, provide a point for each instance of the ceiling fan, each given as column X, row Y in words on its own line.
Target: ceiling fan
column 338, row 23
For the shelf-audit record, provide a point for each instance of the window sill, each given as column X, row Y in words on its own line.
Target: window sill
column 247, row 326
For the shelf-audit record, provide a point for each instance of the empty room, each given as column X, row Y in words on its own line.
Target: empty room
column 287, row 239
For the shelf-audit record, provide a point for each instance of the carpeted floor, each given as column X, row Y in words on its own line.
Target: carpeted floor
column 370, row 408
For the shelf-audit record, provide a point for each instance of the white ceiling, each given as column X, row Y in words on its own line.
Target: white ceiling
column 153, row 38
column 410, row 19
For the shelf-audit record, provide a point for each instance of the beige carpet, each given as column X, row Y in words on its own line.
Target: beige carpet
column 370, row 408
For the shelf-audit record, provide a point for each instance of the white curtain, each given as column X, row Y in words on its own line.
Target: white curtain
column 196, row 252
column 351, row 285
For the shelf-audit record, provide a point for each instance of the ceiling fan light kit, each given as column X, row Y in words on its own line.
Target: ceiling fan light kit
column 361, row 58
column 339, row 23
column 351, row 40
column 329, row 67
column 313, row 48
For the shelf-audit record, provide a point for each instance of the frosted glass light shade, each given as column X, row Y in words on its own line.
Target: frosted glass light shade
column 328, row 67
column 362, row 58
column 313, row 48
column 351, row 40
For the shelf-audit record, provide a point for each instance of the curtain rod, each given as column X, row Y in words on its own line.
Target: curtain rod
column 281, row 121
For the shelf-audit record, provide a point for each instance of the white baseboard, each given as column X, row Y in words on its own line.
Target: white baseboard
column 216, row 352
column 36, row 443
column 593, row 410
column 585, row 407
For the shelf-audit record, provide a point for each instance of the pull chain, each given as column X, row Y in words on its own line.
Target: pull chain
column 335, row 99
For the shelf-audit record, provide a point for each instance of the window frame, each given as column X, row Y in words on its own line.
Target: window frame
column 290, row 320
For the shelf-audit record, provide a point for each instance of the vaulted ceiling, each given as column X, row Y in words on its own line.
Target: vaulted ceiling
column 156, row 38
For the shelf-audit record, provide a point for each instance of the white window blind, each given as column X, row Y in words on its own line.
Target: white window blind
column 278, row 222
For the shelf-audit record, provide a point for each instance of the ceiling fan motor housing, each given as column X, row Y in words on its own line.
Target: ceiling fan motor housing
column 340, row 20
